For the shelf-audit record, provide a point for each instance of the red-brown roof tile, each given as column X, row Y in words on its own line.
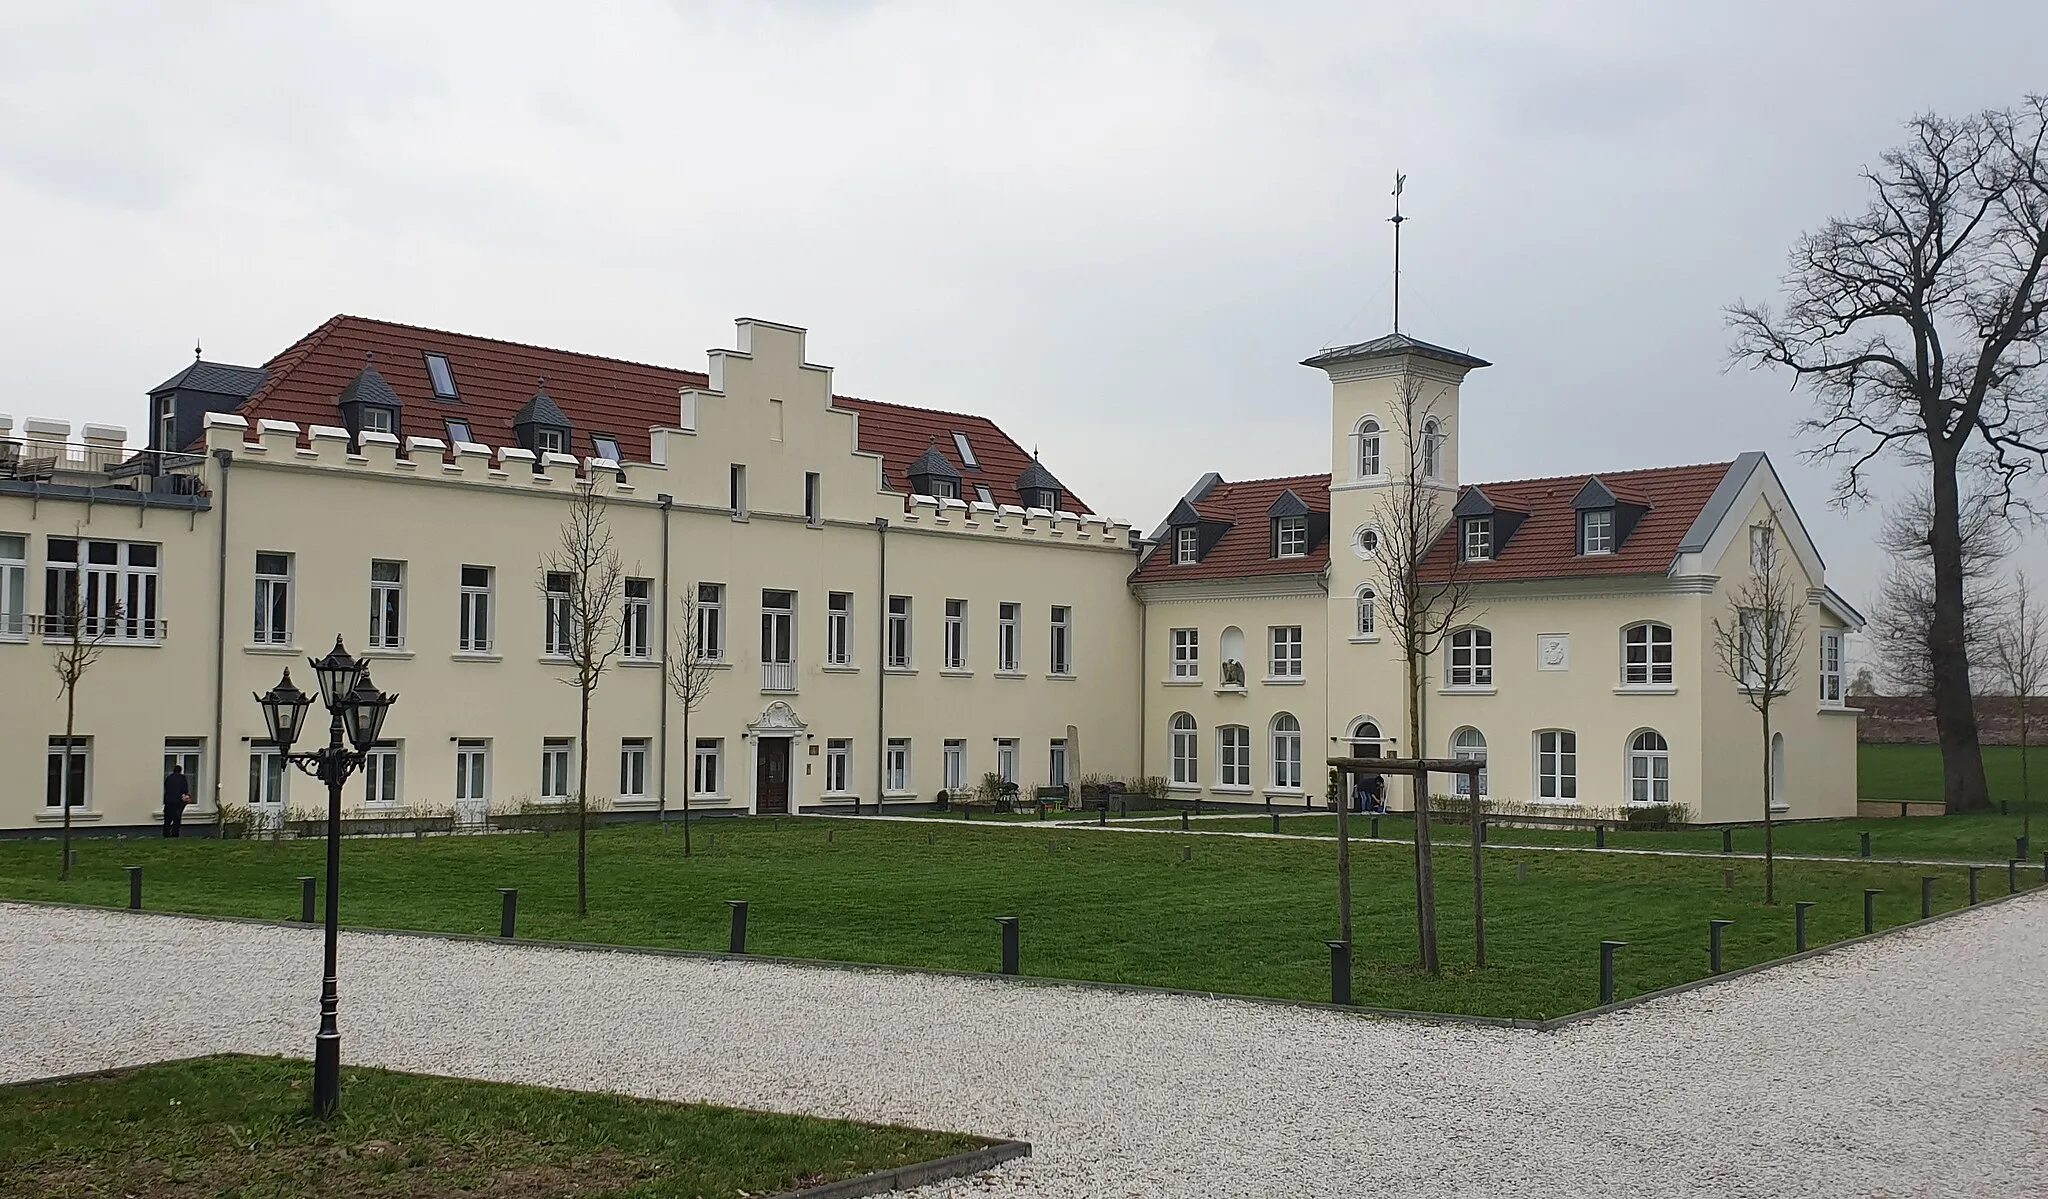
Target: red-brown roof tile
column 902, row 434
column 1246, row 551
column 1546, row 544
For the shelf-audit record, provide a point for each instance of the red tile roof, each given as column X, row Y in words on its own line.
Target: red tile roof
column 1546, row 544
column 902, row 434
column 599, row 395
column 1246, row 550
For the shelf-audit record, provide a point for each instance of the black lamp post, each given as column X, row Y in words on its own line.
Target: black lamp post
column 357, row 709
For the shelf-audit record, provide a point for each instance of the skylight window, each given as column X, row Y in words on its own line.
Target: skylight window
column 984, row 495
column 967, row 458
column 458, row 430
column 607, row 447
column 443, row 377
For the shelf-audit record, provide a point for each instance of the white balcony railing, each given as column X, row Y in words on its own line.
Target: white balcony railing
column 114, row 630
column 778, row 676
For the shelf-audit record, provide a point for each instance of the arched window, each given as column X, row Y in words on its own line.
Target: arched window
column 1778, row 801
column 1286, row 752
column 1186, row 759
column 1367, row 624
column 1432, row 449
column 1649, row 768
column 1233, row 756
column 1469, row 745
column 1646, row 655
column 1557, row 766
column 1369, row 463
column 1365, row 738
column 1471, row 658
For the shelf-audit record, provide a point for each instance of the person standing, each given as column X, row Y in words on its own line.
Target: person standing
column 177, row 793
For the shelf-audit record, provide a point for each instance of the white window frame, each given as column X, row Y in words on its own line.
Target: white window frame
column 896, row 766
column 1056, row 763
column 634, row 755
column 839, row 628
column 1467, row 749
column 1187, row 653
column 1831, row 668
column 953, row 766
column 1432, row 449
column 711, row 622
column 814, row 499
column 1187, row 545
column 1290, row 537
column 900, row 649
column 14, row 586
column 1006, row 758
column 384, row 776
column 378, row 419
column 838, row 765
column 1365, row 616
column 1233, row 756
column 80, row 753
column 1648, row 655
column 1478, row 531
column 1763, row 548
column 1645, row 783
column 1557, row 766
column 270, row 779
column 473, row 626
column 778, row 639
column 707, row 767
column 955, row 640
column 636, row 626
column 557, row 769
column 1060, row 653
column 190, row 753
column 559, row 615
column 736, row 494
column 125, row 580
column 472, row 771
column 1600, row 520
column 550, row 441
column 274, row 596
column 1470, row 665
column 387, row 604
column 1184, row 750
column 1009, row 617
column 1283, row 651
column 1286, row 738
column 1370, row 461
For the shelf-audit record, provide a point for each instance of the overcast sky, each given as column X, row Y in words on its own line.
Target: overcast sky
column 1115, row 228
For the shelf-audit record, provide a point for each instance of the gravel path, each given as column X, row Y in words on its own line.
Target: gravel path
column 1910, row 1066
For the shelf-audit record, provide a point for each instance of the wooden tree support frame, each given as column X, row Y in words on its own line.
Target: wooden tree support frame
column 1419, row 769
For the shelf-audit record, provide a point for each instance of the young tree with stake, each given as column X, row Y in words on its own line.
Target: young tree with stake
column 690, row 672
column 1759, row 648
column 584, row 587
column 2019, row 652
column 85, row 634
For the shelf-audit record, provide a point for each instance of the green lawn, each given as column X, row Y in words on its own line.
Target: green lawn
column 1244, row 915
column 1914, row 772
column 242, row 1126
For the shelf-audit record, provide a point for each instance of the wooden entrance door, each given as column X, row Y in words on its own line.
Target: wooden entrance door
column 771, row 776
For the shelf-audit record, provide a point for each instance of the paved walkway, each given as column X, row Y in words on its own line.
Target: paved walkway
column 1914, row 1065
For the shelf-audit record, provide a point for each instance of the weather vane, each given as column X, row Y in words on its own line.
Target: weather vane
column 1400, row 181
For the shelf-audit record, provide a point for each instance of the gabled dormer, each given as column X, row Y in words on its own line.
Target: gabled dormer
column 1603, row 519
column 1191, row 535
column 932, row 475
column 1484, row 528
column 1294, row 530
column 540, row 426
column 368, row 405
column 1036, row 488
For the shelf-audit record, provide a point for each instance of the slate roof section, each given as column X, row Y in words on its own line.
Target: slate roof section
column 219, row 378
column 1246, row 551
column 902, row 434
column 541, row 410
column 1546, row 544
column 1036, row 477
column 1389, row 346
column 369, row 387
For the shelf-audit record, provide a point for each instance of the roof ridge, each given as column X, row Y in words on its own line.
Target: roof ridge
column 916, row 408
column 1275, row 479
column 1605, row 474
column 524, row 345
column 279, row 369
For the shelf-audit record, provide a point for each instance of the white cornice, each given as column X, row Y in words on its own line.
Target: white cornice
column 1201, row 591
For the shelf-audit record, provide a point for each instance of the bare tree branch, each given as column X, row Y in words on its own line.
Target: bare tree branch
column 1759, row 647
column 690, row 672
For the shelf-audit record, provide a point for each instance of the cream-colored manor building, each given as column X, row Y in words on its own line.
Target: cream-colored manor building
column 896, row 600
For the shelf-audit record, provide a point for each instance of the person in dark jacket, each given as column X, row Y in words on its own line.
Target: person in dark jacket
column 177, row 793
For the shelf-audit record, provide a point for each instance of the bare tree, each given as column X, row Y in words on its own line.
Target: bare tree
column 690, row 673
column 1902, row 620
column 1920, row 326
column 1425, row 602
column 2019, row 651
column 1759, row 648
column 583, row 585
column 86, row 632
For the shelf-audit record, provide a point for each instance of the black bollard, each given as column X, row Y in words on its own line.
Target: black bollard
column 1187, row 853
column 1974, row 872
column 1799, row 925
column 1599, row 836
column 1521, row 872
column 829, row 833
column 1927, row 882
column 1482, row 832
column 1870, row 895
column 2012, row 876
column 1340, row 971
column 1102, row 814
column 1009, row 926
column 738, row 942
column 1375, row 828
column 307, row 883
column 72, row 857
column 1041, row 809
column 1727, row 840
column 1866, row 845
column 1714, row 930
column 2019, row 848
column 1183, row 820
column 2004, row 808
column 1276, row 821
column 508, row 911
column 134, row 887
column 967, row 811
column 1607, row 949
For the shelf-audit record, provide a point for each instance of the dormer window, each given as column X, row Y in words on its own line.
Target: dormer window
column 1478, row 538
column 368, row 404
column 1043, row 498
column 1290, row 537
column 548, row 441
column 442, row 376
column 541, row 426
column 1036, row 487
column 945, row 489
column 1596, row 531
column 1187, row 545
column 378, row 420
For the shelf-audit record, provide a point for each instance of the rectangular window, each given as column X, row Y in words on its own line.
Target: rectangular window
column 1062, row 656
column 1286, row 658
column 1557, row 765
column 555, row 767
column 549, row 441
column 110, row 585
column 378, row 420
column 1471, row 658
column 1187, row 654
column 633, row 768
column 955, row 765
column 983, row 494
column 814, row 504
column 1056, row 763
column 472, row 772
column 1478, row 538
column 838, row 765
column 380, row 775
column 1290, row 537
column 1233, row 756
column 13, row 585
column 1006, row 758
column 956, row 634
column 268, row 777
column 1762, row 647
column 839, row 628
column 967, row 458
column 189, row 755
column 387, row 605
column 899, row 632
column 474, row 636
column 606, row 447
column 1006, row 637
column 738, row 492
column 458, row 431
column 778, row 640
column 943, row 489
column 561, row 616
column 166, row 424
column 707, row 767
column 896, row 766
column 442, row 376
column 1763, row 548
column 1596, row 531
column 273, row 599
column 1287, row 754
column 1830, row 667
column 636, row 634
column 1187, row 545
column 711, row 622
column 70, row 773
